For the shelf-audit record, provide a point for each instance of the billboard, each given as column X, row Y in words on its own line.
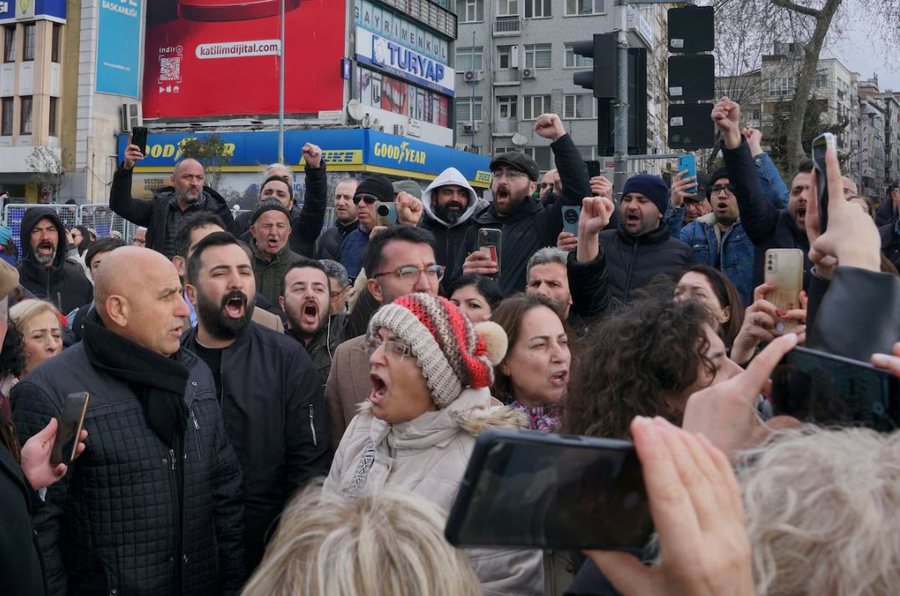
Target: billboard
column 401, row 61
column 356, row 149
column 208, row 58
column 119, row 48
column 19, row 10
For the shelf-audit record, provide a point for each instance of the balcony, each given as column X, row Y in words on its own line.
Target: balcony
column 505, row 26
column 506, row 76
column 505, row 127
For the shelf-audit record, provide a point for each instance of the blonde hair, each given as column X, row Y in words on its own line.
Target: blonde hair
column 823, row 512
column 386, row 544
column 26, row 310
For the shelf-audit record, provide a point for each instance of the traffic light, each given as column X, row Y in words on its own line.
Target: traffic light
column 692, row 77
column 602, row 50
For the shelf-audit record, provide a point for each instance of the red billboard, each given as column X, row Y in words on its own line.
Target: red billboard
column 221, row 57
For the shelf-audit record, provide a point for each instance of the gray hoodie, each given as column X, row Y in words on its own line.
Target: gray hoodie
column 449, row 238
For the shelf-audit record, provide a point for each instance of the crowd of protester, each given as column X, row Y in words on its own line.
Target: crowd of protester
column 278, row 408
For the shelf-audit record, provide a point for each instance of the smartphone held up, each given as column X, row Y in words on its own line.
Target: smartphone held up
column 820, row 145
column 71, row 421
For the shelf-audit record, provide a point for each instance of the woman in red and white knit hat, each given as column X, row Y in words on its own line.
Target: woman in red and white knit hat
column 431, row 371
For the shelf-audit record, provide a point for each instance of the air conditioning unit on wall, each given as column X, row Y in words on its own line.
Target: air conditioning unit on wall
column 527, row 73
column 473, row 76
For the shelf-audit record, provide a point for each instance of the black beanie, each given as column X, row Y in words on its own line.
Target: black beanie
column 377, row 185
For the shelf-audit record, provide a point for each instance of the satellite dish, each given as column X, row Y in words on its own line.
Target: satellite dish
column 355, row 110
column 519, row 140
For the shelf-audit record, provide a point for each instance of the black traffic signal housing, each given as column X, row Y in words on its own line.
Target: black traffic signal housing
column 692, row 77
column 602, row 79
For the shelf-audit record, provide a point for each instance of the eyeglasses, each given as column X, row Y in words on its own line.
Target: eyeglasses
column 510, row 174
column 410, row 273
column 334, row 295
column 716, row 188
column 367, row 198
column 392, row 347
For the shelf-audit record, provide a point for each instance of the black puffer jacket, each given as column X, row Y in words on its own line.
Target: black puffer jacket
column 110, row 526
column 330, row 242
column 63, row 283
column 533, row 226
column 633, row 261
column 274, row 407
column 153, row 214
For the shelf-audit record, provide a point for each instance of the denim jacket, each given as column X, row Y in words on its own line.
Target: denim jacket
column 735, row 253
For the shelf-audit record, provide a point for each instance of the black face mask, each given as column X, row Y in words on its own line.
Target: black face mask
column 214, row 319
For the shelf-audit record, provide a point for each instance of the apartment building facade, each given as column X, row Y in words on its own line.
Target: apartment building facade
column 514, row 61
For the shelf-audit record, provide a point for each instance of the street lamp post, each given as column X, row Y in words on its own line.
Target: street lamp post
column 281, row 88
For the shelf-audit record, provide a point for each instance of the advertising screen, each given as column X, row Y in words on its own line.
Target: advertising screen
column 220, row 57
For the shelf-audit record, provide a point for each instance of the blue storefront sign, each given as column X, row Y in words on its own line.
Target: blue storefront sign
column 356, row 150
column 119, row 47
column 18, row 10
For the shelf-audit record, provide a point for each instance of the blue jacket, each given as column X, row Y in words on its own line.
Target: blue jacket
column 733, row 256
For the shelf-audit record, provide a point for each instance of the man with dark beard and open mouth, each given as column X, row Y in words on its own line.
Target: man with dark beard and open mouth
column 449, row 203
column 272, row 399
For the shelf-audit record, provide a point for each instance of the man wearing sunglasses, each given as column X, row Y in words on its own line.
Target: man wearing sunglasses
column 718, row 239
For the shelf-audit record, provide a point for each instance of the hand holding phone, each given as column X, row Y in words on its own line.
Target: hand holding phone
column 784, row 270
column 385, row 213
column 489, row 242
column 688, row 164
column 822, row 143
column 71, row 421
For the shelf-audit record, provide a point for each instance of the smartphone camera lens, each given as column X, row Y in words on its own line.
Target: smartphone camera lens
column 383, row 210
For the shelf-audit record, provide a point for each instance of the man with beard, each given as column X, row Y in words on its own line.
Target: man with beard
column 551, row 187
column 640, row 248
column 165, row 214
column 153, row 505
column 525, row 224
column 345, row 221
column 270, row 393
column 718, row 239
column 270, row 227
column 767, row 226
column 43, row 268
column 306, row 304
column 449, row 203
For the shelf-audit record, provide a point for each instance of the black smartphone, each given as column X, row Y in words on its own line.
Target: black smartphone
column 593, row 167
column 71, row 421
column 818, row 387
column 536, row 490
column 820, row 145
column 139, row 138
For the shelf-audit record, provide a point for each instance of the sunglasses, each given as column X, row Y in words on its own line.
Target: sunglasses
column 366, row 198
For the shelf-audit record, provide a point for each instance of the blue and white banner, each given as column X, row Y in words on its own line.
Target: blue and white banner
column 403, row 62
column 119, row 47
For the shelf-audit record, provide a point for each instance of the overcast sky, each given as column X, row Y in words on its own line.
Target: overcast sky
column 862, row 52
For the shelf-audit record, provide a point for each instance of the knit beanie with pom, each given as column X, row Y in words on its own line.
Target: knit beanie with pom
column 452, row 353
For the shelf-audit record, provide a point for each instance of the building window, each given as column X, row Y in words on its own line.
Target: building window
column 470, row 11
column 56, row 43
column 507, row 8
column 505, row 57
column 541, row 156
column 54, row 107
column 581, row 7
column 537, row 9
column 535, row 105
column 28, row 41
column 25, row 121
column 9, row 43
column 537, row 55
column 469, row 58
column 573, row 60
column 578, row 106
column 507, row 107
column 6, row 117
column 468, row 110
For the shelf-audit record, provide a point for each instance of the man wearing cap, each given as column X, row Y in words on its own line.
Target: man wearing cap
column 376, row 188
column 525, row 224
column 306, row 221
column 449, row 203
column 640, row 247
column 270, row 227
column 719, row 240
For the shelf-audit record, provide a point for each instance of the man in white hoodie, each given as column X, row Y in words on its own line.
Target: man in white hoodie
column 449, row 203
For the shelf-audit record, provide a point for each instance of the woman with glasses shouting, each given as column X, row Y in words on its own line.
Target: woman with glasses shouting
column 430, row 371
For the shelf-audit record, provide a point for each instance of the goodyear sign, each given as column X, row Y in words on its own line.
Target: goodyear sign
column 355, row 150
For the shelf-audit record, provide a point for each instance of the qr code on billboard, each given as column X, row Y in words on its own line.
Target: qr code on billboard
column 170, row 69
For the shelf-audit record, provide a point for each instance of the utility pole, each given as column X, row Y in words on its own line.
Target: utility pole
column 281, row 89
column 620, row 131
